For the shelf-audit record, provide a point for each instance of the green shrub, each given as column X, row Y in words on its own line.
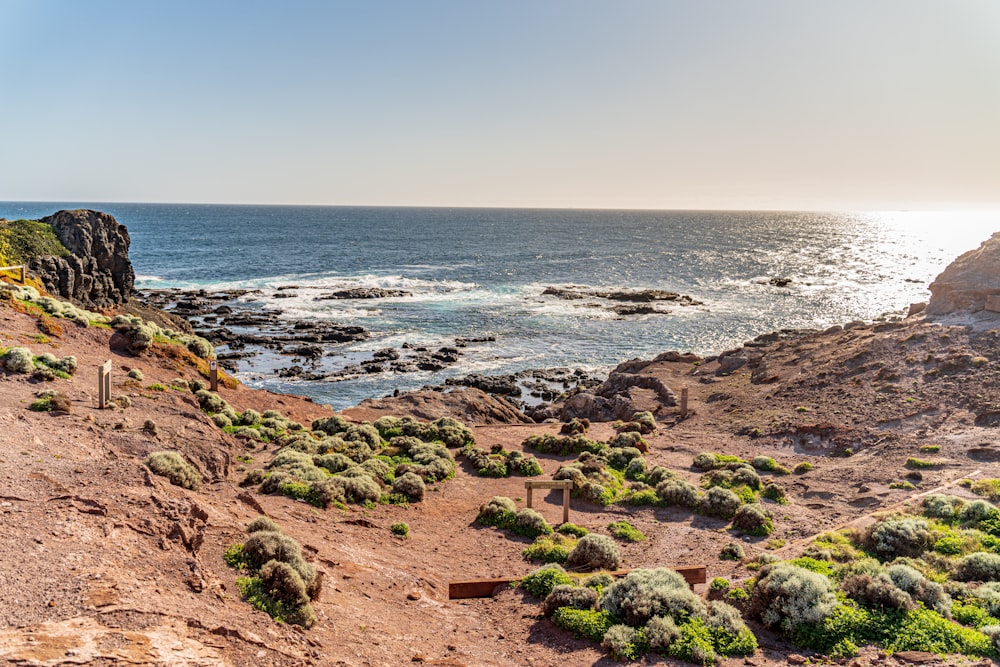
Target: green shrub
column 803, row 468
column 989, row 488
column 19, row 360
column 774, row 492
column 706, row 461
column 917, row 464
column 527, row 466
column 976, row 511
column 661, row 632
column 499, row 512
column 732, row 551
column 786, row 596
column 263, row 523
column 719, row 584
column 624, row 642
column 172, row 466
column 550, row 549
column 623, row 530
column 753, row 519
column 530, row 523
column 904, row 485
column 903, row 536
column 677, row 492
column 410, row 485
column 584, row 623
column 979, row 566
column 720, row 502
column 643, row 594
column 876, row 592
column 562, row 445
column 541, row 582
column 564, row 595
column 594, row 552
column 400, row 529
column 730, row 635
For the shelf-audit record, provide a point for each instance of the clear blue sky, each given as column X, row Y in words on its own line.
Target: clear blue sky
column 795, row 104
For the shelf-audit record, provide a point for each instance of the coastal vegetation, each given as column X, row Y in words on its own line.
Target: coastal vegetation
column 23, row 240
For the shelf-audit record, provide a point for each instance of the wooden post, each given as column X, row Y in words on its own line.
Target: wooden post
column 213, row 376
column 528, row 486
column 22, row 274
column 566, row 504
column 104, row 385
column 684, row 402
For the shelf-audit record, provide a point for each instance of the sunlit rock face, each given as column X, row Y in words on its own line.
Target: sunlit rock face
column 970, row 284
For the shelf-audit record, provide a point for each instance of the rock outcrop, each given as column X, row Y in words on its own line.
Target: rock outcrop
column 968, row 282
column 98, row 273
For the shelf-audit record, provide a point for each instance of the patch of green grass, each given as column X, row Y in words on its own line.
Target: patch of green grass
column 41, row 404
column 572, row 529
column 930, row 449
column 156, row 386
column 776, row 543
column 235, row 558
column 623, row 530
column 906, row 486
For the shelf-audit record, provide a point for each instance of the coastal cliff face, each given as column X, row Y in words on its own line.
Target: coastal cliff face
column 968, row 282
column 97, row 273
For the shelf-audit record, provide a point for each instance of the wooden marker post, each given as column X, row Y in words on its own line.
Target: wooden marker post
column 213, row 374
column 564, row 484
column 104, row 385
column 684, row 402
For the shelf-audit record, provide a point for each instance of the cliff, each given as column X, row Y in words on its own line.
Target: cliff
column 97, row 273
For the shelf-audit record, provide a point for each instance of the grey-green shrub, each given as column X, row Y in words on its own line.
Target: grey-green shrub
column 221, row 420
column 674, row 491
column 877, row 591
column 720, row 502
column 732, row 551
column 331, row 425
column 942, row 506
column 172, row 466
column 705, row 461
column 564, row 595
column 620, row 642
column 753, row 519
column 136, row 374
column 594, row 552
column 976, row 511
column 979, row 566
column 283, row 583
column 19, row 360
column 530, row 523
column 410, row 485
column 904, row 536
column 661, row 632
column 263, row 523
column 920, row 588
column 498, row 511
column 786, row 596
column 643, row 594
column 250, row 417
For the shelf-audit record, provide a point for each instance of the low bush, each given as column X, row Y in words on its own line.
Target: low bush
column 643, row 594
column 988, row 488
column 530, row 523
column 410, row 485
column 400, row 529
column 499, row 512
column 583, row 623
column 902, row 536
column 979, row 566
column 550, row 549
column 263, row 524
column 803, row 468
column 593, row 552
column 19, row 360
column 542, row 581
column 774, row 492
column 720, row 502
column 753, row 519
column 572, row 529
column 732, row 551
column 575, row 427
column 786, row 596
column 575, row 597
column 172, row 466
column 677, row 492
column 623, row 642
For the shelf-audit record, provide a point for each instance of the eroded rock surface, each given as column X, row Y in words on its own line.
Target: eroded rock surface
column 968, row 282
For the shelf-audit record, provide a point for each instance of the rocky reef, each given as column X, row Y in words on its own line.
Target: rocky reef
column 97, row 273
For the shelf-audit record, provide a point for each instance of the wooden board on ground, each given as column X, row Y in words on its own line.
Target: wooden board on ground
column 484, row 588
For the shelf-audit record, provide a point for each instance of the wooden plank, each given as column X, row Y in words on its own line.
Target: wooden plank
column 548, row 484
column 483, row 588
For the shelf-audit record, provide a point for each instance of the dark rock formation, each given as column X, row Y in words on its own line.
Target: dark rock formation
column 970, row 284
column 98, row 273
column 630, row 296
column 364, row 293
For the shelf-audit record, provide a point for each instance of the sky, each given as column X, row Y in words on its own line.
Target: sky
column 699, row 104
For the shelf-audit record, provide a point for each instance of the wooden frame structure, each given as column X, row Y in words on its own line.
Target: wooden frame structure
column 565, row 484
column 104, row 385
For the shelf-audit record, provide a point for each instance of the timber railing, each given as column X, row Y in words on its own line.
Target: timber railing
column 17, row 267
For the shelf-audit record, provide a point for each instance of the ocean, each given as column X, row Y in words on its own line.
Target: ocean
column 478, row 273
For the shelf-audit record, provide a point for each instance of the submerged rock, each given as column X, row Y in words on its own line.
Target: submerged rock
column 364, row 293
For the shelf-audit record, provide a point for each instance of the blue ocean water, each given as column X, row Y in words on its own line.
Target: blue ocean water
column 481, row 272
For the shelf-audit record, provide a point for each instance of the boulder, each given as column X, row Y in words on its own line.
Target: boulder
column 968, row 282
column 98, row 273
